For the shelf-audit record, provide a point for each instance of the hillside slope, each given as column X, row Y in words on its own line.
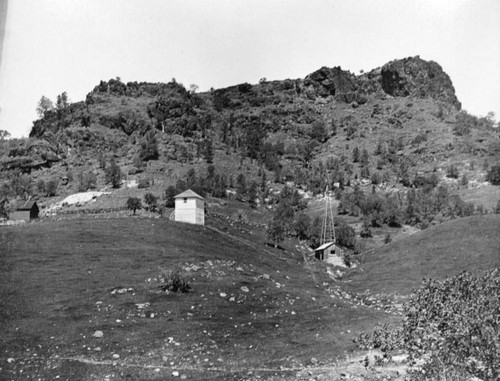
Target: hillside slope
column 467, row 244
column 258, row 311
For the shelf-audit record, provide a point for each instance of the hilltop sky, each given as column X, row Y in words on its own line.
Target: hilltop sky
column 51, row 46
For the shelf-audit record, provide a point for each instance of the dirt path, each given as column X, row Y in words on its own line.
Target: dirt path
column 352, row 368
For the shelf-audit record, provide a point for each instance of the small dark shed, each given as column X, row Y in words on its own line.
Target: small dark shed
column 324, row 251
column 26, row 212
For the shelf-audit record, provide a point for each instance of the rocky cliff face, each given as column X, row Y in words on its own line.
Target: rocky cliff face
column 408, row 77
column 415, row 77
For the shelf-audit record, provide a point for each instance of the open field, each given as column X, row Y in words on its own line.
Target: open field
column 471, row 244
column 251, row 313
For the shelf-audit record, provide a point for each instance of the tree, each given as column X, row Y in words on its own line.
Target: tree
column 170, row 193
column 44, row 105
column 241, row 186
column 134, row 203
column 113, row 174
column 151, row 201
column 149, row 147
column 301, row 226
column 4, row 135
column 252, row 194
column 345, row 234
column 355, row 154
column 51, row 187
column 62, row 101
column 364, row 159
column 208, row 150
column 275, row 232
column 452, row 172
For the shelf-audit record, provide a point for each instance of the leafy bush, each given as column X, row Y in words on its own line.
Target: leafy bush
column 143, row 183
column 151, row 201
column 174, row 280
column 452, row 172
column 452, row 327
column 345, row 234
column 51, row 187
column 493, row 175
column 86, row 180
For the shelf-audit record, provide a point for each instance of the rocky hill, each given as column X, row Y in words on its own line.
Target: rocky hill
column 392, row 128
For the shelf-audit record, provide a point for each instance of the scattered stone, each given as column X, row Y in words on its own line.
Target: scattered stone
column 239, row 268
column 266, row 276
column 98, row 334
column 175, row 373
column 245, row 289
column 10, row 360
column 97, row 349
column 314, row 361
column 223, row 294
column 116, row 356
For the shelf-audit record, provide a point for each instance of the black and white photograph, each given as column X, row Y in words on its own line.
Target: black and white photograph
column 299, row 190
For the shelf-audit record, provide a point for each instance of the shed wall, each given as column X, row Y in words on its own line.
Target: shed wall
column 191, row 211
column 20, row 215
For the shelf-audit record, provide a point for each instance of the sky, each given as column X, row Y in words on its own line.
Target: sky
column 52, row 46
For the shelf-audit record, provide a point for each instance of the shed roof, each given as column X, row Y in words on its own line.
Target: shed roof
column 324, row 246
column 27, row 205
column 188, row 194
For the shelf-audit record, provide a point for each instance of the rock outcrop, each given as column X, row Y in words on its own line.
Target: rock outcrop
column 418, row 78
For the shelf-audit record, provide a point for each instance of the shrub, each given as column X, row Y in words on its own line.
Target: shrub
column 452, row 172
column 144, row 183
column 345, row 234
column 451, row 327
column 40, row 186
column 51, row 187
column 113, row 174
column 174, row 280
column 493, row 175
column 318, row 131
column 86, row 180
column 275, row 232
column 149, row 147
column 151, row 201
column 170, row 193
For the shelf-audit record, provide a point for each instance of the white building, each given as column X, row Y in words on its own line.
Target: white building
column 190, row 208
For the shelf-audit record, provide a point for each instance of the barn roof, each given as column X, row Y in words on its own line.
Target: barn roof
column 324, row 246
column 27, row 205
column 189, row 194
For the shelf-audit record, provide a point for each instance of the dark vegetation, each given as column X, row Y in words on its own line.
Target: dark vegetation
column 451, row 325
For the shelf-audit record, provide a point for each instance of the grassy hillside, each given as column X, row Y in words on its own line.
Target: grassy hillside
column 251, row 309
column 471, row 244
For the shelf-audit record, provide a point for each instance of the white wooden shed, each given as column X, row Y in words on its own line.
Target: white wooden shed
column 190, row 208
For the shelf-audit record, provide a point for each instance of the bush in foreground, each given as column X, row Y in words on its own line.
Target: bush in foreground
column 452, row 327
column 174, row 280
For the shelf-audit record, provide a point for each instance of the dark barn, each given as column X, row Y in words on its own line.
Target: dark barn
column 26, row 212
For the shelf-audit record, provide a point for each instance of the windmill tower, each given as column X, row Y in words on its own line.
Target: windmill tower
column 327, row 241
